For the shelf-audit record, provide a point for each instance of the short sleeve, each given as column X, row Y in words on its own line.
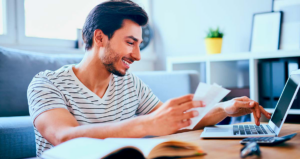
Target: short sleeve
column 147, row 99
column 42, row 95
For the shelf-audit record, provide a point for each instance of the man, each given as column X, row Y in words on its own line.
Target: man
column 97, row 98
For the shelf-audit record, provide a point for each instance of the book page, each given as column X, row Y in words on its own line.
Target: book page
column 89, row 148
column 145, row 145
column 80, row 148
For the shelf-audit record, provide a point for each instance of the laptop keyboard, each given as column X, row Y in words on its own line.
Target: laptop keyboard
column 248, row 129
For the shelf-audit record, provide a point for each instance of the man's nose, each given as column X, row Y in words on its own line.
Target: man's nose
column 136, row 54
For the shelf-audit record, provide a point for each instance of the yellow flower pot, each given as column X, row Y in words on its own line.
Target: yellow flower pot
column 213, row 45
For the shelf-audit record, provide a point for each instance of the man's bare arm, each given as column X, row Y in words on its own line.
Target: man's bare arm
column 213, row 117
column 236, row 107
column 59, row 125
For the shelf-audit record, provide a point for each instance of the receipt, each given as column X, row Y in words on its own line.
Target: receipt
column 210, row 95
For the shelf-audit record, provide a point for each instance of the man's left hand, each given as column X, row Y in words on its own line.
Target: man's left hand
column 243, row 106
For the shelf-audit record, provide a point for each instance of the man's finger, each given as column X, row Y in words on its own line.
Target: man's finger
column 255, row 117
column 267, row 114
column 189, row 105
column 182, row 99
column 189, row 115
column 256, row 107
column 184, row 123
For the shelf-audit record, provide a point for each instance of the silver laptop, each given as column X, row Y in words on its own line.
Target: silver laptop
column 272, row 128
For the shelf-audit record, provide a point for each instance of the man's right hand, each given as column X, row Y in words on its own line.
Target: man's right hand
column 172, row 116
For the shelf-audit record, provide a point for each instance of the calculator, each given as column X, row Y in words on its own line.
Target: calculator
column 268, row 141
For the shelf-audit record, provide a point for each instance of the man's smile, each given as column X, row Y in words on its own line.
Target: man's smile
column 127, row 62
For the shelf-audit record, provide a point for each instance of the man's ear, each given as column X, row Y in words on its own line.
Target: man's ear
column 99, row 38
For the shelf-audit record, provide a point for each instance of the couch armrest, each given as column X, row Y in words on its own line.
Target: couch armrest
column 167, row 85
column 17, row 137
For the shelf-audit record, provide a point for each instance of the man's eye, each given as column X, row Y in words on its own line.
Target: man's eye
column 130, row 43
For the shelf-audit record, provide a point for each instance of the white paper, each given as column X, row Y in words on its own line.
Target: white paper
column 210, row 95
column 81, row 148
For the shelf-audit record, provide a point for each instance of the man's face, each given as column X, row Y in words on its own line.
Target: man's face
column 123, row 48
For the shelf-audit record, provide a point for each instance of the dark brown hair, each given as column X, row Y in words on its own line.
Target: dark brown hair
column 109, row 16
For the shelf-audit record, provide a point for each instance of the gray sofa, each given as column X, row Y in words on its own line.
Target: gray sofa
column 17, row 68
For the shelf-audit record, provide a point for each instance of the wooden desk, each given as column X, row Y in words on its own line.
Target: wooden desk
column 230, row 148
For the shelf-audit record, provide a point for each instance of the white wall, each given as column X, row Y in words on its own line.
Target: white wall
column 180, row 25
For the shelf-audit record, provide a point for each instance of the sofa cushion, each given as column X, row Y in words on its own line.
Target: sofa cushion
column 168, row 85
column 17, row 138
column 17, row 68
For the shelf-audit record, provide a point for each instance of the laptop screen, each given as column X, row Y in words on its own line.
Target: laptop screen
column 285, row 99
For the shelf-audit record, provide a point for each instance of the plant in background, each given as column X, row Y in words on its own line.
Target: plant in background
column 214, row 33
column 213, row 41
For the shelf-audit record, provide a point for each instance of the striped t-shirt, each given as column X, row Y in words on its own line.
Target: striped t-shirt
column 125, row 97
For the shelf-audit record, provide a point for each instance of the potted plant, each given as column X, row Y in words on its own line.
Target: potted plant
column 213, row 41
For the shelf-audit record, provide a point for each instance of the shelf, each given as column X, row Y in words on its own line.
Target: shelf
column 231, row 70
column 291, row 111
column 234, row 57
column 277, row 54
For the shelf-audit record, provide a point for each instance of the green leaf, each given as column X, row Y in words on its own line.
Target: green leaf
column 214, row 33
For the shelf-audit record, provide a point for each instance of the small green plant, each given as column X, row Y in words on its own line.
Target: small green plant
column 214, row 33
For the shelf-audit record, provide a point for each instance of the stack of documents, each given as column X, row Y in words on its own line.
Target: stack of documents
column 210, row 95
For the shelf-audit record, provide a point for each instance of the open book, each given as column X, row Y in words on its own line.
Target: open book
column 89, row 148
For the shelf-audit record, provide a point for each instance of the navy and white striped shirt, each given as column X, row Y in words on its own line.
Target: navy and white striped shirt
column 125, row 97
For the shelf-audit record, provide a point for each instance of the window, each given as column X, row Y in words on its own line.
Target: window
column 56, row 19
column 44, row 24
column 7, row 22
column 2, row 13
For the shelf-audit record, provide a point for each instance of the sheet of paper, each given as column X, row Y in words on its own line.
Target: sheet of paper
column 210, row 95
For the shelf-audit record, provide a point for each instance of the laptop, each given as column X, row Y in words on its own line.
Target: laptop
column 271, row 129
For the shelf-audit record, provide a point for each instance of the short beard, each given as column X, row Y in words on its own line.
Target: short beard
column 109, row 59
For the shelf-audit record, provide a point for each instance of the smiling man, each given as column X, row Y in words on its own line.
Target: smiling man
column 98, row 98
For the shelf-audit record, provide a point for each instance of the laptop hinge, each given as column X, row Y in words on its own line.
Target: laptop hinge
column 271, row 129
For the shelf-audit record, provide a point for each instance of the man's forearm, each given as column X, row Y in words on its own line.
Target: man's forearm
column 131, row 128
column 213, row 117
